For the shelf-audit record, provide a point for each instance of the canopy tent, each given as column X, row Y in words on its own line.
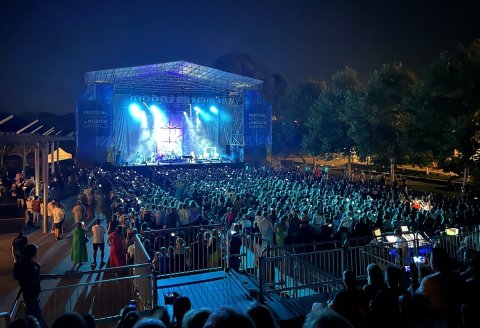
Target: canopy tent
column 59, row 155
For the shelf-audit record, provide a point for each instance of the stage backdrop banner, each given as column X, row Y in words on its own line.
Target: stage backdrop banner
column 94, row 112
column 95, row 122
column 95, row 117
column 257, row 120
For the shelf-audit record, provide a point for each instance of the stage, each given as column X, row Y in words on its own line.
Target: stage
column 175, row 113
column 179, row 162
column 183, row 164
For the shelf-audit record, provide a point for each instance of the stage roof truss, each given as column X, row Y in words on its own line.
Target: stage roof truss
column 179, row 77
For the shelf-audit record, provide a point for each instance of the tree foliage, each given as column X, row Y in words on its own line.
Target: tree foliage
column 378, row 117
column 446, row 109
column 291, row 126
column 327, row 124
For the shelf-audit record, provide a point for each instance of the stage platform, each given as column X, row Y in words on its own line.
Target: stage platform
column 238, row 290
column 211, row 290
column 182, row 164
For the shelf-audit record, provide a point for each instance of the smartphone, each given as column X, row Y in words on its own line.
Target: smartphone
column 132, row 304
column 419, row 259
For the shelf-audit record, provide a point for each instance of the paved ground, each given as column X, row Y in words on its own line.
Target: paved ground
column 54, row 257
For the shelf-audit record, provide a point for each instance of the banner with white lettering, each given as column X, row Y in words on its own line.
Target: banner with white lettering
column 257, row 120
column 95, row 117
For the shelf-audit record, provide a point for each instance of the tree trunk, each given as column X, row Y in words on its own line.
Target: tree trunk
column 349, row 165
column 465, row 178
column 392, row 170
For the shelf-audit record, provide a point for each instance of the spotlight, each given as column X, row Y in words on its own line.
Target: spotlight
column 196, row 109
column 214, row 110
column 138, row 114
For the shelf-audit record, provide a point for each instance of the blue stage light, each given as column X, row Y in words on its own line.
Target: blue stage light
column 214, row 110
column 138, row 114
column 135, row 111
column 197, row 109
column 159, row 117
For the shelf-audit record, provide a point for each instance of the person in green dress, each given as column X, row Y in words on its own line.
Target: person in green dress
column 79, row 246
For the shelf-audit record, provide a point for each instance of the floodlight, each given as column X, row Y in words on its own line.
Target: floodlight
column 451, row 231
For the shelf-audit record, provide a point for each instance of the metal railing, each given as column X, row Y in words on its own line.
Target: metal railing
column 455, row 245
column 102, row 293
column 189, row 250
column 288, row 275
column 145, row 289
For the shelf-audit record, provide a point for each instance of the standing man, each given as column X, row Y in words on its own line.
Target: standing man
column 18, row 247
column 98, row 232
column 184, row 216
column 58, row 218
column 171, row 220
column 50, row 207
column 99, row 202
column 36, row 211
column 29, row 282
column 90, row 206
column 78, row 210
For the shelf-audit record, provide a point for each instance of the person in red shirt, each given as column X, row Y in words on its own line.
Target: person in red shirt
column 117, row 253
column 36, row 210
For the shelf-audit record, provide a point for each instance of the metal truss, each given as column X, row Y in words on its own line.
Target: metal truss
column 173, row 78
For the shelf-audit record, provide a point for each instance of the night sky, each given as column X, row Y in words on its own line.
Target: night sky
column 47, row 46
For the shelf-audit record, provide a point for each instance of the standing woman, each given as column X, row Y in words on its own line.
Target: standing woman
column 79, row 246
column 281, row 231
column 90, row 206
column 117, row 254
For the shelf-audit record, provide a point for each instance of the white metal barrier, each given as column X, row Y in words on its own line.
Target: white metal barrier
column 102, row 293
column 188, row 250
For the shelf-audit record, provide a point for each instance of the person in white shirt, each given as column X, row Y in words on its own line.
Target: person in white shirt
column 77, row 212
column 184, row 215
column 50, row 207
column 98, row 241
column 58, row 217
column 266, row 229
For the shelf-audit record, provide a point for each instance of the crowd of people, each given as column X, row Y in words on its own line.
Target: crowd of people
column 285, row 207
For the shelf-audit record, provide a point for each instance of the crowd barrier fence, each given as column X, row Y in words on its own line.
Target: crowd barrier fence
column 102, row 293
column 188, row 250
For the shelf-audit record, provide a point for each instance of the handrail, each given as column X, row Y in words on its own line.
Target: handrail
column 119, row 268
column 310, row 265
column 378, row 258
column 14, row 307
column 206, row 227
column 144, row 251
column 90, row 283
